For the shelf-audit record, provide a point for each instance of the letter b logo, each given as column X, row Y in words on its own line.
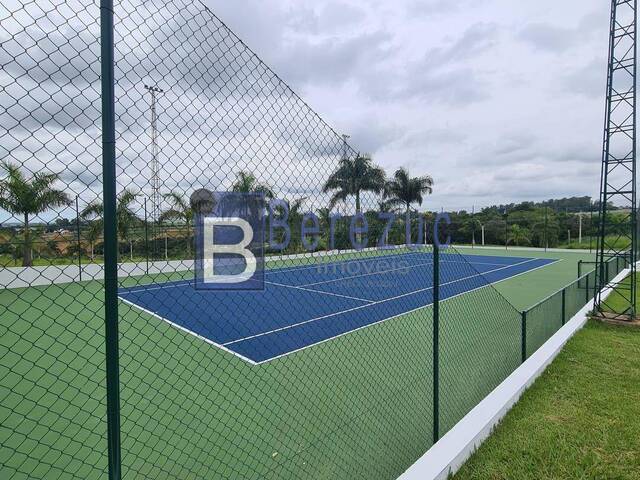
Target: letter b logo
column 230, row 243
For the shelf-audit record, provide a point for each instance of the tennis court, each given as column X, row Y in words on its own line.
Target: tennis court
column 305, row 305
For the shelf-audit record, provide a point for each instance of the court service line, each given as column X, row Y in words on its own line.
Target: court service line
column 171, row 284
column 338, row 261
column 302, row 287
column 406, row 267
column 378, row 302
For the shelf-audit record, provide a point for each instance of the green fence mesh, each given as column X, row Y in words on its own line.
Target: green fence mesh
column 543, row 321
column 480, row 342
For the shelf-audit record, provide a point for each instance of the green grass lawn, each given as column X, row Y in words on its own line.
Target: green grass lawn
column 581, row 419
column 358, row 406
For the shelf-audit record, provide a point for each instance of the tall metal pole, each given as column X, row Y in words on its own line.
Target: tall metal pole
column 155, row 160
column 580, row 230
column 110, row 237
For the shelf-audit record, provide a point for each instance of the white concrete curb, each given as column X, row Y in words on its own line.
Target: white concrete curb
column 455, row 448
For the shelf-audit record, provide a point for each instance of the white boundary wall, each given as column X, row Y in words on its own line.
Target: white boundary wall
column 21, row 277
column 454, row 449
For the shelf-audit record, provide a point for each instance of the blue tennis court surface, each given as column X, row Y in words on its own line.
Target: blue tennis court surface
column 305, row 305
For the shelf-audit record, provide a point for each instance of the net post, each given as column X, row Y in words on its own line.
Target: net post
column 436, row 340
column 564, row 306
column 110, row 238
column 524, row 336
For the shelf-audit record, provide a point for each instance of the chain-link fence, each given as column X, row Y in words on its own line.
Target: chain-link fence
column 529, row 224
column 350, row 362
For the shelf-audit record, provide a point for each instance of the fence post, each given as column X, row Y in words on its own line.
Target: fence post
column 79, row 240
column 146, row 235
column 436, row 340
column 524, row 336
column 587, row 290
column 564, row 306
column 110, row 238
column 579, row 268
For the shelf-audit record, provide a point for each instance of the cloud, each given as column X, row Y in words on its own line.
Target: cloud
column 588, row 80
column 497, row 103
column 548, row 37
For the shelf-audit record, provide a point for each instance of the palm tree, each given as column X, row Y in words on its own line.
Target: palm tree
column 352, row 177
column 92, row 234
column 404, row 190
column 519, row 235
column 179, row 211
column 29, row 197
column 247, row 182
column 125, row 217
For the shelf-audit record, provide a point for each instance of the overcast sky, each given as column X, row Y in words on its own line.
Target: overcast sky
column 498, row 100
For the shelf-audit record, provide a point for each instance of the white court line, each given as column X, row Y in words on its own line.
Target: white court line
column 186, row 284
column 376, row 257
column 186, row 330
column 319, row 291
column 378, row 302
column 291, row 352
column 263, row 362
column 340, row 261
column 320, row 265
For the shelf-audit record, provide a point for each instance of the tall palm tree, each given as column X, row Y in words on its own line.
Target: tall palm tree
column 29, row 197
column 352, row 177
column 179, row 211
column 125, row 217
column 404, row 190
column 247, row 182
column 91, row 235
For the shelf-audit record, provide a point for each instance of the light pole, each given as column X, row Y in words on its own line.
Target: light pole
column 155, row 164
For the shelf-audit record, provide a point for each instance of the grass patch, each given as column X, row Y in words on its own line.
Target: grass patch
column 618, row 300
column 581, row 419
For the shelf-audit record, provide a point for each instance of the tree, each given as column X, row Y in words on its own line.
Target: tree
column 125, row 217
column 29, row 197
column 352, row 177
column 247, row 182
column 92, row 235
column 404, row 190
column 519, row 236
column 179, row 211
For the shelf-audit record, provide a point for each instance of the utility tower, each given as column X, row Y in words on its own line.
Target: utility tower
column 155, row 154
column 617, row 229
